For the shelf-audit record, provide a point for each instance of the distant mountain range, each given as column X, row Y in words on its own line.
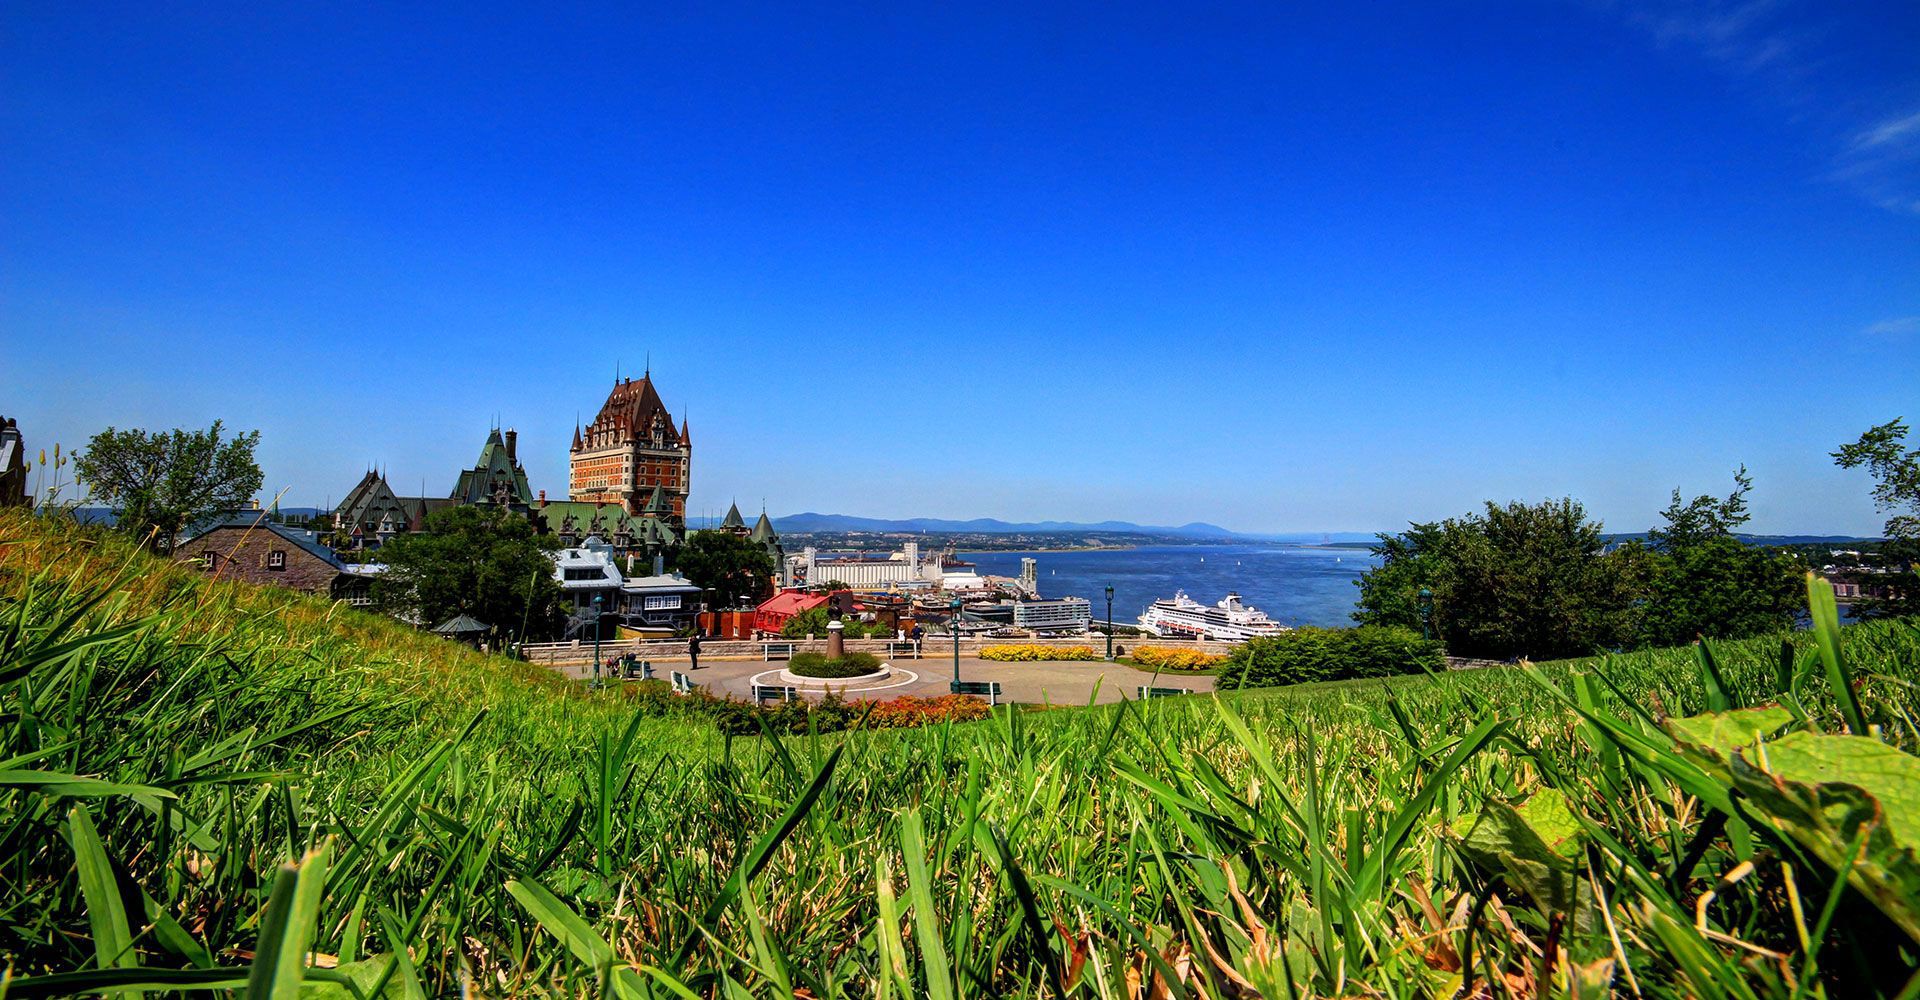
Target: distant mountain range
column 812, row 523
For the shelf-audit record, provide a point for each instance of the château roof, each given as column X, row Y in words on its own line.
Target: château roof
column 494, row 468
column 633, row 409
column 733, row 519
column 763, row 530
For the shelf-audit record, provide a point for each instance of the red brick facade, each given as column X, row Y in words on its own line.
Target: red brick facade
column 631, row 450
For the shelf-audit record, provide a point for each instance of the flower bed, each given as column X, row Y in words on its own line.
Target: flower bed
column 1163, row 658
column 1024, row 652
column 811, row 664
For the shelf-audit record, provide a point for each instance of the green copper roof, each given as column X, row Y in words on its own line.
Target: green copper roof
column 734, row 520
column 606, row 520
column 494, row 469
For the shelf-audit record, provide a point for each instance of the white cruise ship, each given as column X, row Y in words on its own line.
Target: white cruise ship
column 1228, row 620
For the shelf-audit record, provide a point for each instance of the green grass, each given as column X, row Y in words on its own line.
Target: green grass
column 214, row 787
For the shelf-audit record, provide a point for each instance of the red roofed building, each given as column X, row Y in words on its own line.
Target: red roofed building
column 772, row 614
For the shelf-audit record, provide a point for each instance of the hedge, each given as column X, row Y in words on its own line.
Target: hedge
column 1330, row 654
column 812, row 664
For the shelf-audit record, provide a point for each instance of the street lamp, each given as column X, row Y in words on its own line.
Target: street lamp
column 1109, row 623
column 596, row 641
column 1426, row 613
column 953, row 626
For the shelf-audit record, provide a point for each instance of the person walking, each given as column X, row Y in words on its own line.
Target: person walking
column 693, row 650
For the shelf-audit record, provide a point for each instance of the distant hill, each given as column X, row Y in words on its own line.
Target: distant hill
column 812, row 523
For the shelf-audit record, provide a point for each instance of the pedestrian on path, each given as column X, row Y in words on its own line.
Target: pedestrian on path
column 693, row 650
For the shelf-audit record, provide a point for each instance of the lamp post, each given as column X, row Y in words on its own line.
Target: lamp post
column 953, row 625
column 596, row 641
column 1426, row 613
column 1109, row 623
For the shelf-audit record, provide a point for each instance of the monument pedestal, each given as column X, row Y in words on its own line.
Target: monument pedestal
column 836, row 640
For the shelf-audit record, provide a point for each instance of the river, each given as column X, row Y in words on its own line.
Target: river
column 1294, row 584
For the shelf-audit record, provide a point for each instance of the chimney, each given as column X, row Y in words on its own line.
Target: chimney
column 659, row 564
column 543, row 498
column 513, row 438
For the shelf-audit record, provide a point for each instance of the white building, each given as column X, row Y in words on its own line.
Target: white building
column 586, row 570
column 902, row 570
column 1061, row 614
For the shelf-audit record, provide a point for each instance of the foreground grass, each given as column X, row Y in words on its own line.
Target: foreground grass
column 463, row 822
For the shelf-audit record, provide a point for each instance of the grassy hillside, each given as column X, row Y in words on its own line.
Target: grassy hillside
column 167, row 747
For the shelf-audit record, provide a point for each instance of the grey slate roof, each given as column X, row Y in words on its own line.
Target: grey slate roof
column 461, row 625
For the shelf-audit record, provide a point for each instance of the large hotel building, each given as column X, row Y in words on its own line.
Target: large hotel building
column 633, row 456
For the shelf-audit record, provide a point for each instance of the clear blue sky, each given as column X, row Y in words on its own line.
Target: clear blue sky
column 1300, row 270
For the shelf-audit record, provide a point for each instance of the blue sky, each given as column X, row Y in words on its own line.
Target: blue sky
column 1275, row 269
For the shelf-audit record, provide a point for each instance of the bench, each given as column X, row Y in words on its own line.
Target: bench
column 1153, row 692
column 989, row 690
column 903, row 647
column 784, row 650
column 773, row 692
column 633, row 669
column 682, row 684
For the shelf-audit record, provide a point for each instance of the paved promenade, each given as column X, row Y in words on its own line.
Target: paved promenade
column 1058, row 682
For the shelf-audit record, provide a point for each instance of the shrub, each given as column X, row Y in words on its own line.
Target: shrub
column 1023, row 652
column 1162, row 658
column 1330, row 654
column 811, row 664
column 833, row 714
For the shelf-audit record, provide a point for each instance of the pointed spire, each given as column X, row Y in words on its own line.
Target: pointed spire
column 763, row 529
column 733, row 519
column 684, row 436
column 576, row 434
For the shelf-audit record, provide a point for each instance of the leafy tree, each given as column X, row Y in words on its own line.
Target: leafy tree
column 1704, row 582
column 1896, row 491
column 1514, row 580
column 1720, row 588
column 482, row 561
column 727, row 564
column 1703, row 518
column 159, row 485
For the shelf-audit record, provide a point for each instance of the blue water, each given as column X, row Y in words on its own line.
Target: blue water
column 1293, row 584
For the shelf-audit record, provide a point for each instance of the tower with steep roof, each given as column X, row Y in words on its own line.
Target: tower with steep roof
column 633, row 455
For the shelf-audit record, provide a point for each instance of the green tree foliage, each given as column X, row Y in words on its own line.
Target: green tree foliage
column 1895, row 469
column 158, row 485
column 1702, row 519
column 1329, row 654
column 1515, row 580
column 813, row 621
column 1701, row 581
column 727, row 564
column 484, row 562
column 1720, row 588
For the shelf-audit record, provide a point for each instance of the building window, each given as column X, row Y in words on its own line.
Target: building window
column 663, row 603
column 277, row 559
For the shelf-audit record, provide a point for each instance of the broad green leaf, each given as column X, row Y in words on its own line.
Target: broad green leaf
column 1536, row 847
column 1709, row 739
column 1826, row 792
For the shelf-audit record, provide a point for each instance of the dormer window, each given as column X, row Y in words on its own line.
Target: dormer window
column 277, row 559
column 208, row 560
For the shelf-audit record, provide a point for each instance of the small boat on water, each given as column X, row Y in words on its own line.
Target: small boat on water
column 1229, row 620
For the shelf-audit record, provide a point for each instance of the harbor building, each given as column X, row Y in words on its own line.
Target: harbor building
column 902, row 570
column 1060, row 614
column 632, row 455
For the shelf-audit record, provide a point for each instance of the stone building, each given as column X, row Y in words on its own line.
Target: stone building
column 250, row 548
column 632, row 455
